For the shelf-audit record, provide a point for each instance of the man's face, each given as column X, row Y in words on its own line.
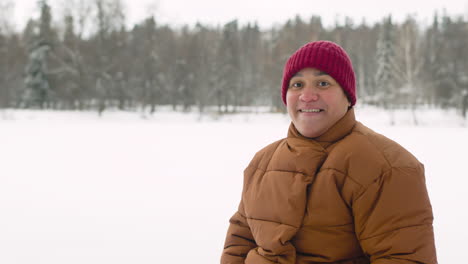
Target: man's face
column 315, row 102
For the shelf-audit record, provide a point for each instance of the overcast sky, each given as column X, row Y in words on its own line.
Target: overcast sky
column 266, row 12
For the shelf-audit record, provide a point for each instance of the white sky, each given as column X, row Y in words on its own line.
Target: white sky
column 266, row 12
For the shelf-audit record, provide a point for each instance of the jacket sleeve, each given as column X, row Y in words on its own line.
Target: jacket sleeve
column 239, row 239
column 393, row 218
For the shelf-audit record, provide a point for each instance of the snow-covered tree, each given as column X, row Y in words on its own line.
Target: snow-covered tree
column 37, row 92
column 385, row 76
column 410, row 61
column 46, row 32
column 363, row 52
column 228, row 59
column 12, row 57
column 143, row 46
column 202, row 51
column 250, row 55
column 106, row 58
column 37, row 88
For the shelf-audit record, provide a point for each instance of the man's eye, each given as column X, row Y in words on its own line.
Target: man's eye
column 323, row 84
column 296, row 85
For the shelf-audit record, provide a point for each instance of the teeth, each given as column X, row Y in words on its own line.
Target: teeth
column 310, row 110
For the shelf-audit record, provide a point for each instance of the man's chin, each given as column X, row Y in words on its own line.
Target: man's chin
column 310, row 132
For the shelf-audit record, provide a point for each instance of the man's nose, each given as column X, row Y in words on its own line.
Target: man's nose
column 309, row 94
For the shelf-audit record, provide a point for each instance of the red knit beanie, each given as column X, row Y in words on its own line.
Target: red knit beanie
column 325, row 56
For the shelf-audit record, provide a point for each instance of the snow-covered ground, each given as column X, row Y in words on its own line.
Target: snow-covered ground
column 133, row 188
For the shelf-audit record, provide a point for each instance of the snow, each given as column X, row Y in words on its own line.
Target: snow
column 133, row 188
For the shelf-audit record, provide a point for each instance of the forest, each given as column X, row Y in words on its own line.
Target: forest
column 86, row 58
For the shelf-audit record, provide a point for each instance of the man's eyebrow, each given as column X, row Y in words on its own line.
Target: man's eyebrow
column 297, row 75
column 320, row 73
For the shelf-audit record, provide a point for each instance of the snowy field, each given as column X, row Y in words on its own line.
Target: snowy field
column 132, row 188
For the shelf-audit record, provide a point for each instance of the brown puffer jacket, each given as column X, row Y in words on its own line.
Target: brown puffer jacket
column 351, row 196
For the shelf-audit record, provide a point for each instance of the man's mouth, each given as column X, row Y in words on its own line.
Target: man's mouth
column 314, row 110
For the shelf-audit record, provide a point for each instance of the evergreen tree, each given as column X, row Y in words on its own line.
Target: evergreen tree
column 37, row 88
column 11, row 56
column 364, row 56
column 185, row 76
column 105, row 54
column 201, row 64
column 228, row 58
column 456, row 52
column 167, row 75
column 431, row 48
column 446, row 72
column 70, row 73
column 46, row 33
column 146, row 70
column 38, row 92
column 250, row 56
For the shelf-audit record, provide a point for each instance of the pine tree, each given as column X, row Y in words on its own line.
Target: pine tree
column 70, row 74
column 45, row 22
column 11, row 55
column 38, row 92
column 432, row 61
column 201, row 64
column 228, row 58
column 364, row 57
column 250, row 79
column 144, row 44
column 446, row 72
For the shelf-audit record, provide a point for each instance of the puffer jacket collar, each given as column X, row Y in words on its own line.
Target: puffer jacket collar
column 338, row 131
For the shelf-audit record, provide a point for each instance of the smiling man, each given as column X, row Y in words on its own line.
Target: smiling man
column 315, row 102
column 333, row 190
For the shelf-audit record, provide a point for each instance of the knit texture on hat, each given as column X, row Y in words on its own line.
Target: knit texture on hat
column 325, row 56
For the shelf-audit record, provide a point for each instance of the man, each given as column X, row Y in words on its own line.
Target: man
column 333, row 191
